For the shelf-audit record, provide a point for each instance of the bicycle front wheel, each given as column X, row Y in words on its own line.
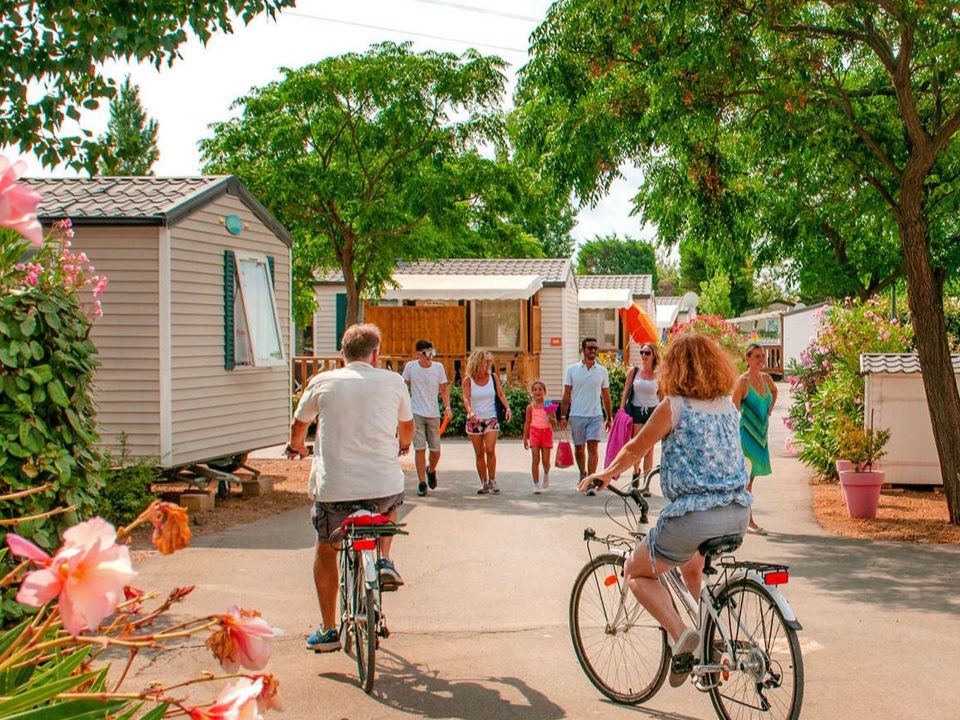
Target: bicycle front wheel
column 619, row 645
column 365, row 632
column 765, row 676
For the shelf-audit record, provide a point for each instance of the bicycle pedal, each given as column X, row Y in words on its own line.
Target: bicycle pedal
column 383, row 632
column 682, row 663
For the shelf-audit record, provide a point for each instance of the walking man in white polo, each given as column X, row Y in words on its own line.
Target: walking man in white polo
column 586, row 395
column 426, row 379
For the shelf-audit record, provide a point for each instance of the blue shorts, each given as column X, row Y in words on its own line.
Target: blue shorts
column 584, row 429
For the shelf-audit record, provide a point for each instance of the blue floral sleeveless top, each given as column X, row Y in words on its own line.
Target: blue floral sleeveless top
column 702, row 464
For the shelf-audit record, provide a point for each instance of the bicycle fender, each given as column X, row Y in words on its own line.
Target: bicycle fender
column 789, row 617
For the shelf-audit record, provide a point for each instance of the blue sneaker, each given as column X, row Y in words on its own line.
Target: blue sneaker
column 323, row 641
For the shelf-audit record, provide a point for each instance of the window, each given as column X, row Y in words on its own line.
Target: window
column 496, row 324
column 601, row 324
column 256, row 324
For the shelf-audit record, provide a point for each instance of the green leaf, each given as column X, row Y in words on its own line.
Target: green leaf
column 57, row 393
column 156, row 713
column 29, row 326
column 35, row 695
column 74, row 710
column 8, row 355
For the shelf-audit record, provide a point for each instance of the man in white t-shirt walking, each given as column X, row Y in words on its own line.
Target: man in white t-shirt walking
column 586, row 385
column 363, row 424
column 426, row 379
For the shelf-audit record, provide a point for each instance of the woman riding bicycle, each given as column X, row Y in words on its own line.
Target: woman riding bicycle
column 703, row 475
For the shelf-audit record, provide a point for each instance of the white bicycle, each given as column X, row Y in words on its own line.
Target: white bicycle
column 749, row 659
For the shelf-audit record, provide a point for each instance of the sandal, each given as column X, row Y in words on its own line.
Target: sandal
column 484, row 490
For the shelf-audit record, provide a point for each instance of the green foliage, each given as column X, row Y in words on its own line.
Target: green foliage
column 715, row 296
column 613, row 256
column 861, row 446
column 617, row 372
column 828, row 390
column 61, row 49
column 376, row 157
column 129, row 147
column 126, row 486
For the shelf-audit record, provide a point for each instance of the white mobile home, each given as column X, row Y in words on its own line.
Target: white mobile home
column 600, row 299
column 194, row 342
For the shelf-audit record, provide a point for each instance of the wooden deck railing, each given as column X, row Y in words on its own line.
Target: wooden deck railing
column 514, row 368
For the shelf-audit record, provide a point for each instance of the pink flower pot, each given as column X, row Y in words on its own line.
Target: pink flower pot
column 843, row 465
column 861, row 492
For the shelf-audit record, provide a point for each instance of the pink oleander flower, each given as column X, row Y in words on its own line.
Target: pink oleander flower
column 269, row 697
column 788, row 422
column 790, row 447
column 87, row 574
column 97, row 309
column 101, row 285
column 18, row 203
column 857, row 400
column 242, row 640
column 237, row 701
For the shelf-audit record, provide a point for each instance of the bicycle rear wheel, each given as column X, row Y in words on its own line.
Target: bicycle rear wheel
column 770, row 683
column 364, row 630
column 623, row 651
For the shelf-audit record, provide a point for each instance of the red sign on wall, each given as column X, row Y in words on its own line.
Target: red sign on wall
column 556, row 342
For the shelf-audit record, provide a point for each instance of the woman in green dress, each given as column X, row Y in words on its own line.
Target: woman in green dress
column 755, row 395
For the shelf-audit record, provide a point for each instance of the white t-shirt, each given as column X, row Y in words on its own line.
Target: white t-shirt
column 587, row 383
column 425, row 385
column 358, row 408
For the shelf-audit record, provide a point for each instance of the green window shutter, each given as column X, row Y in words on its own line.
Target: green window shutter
column 229, row 283
column 341, row 316
column 270, row 262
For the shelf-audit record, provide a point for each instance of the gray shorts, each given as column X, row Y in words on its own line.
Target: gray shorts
column 426, row 433
column 328, row 516
column 675, row 539
column 584, row 429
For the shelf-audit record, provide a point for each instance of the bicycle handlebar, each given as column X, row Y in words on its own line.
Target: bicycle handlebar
column 632, row 494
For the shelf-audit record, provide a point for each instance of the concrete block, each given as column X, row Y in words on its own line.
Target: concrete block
column 257, row 487
column 197, row 502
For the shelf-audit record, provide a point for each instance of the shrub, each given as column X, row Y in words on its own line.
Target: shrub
column 861, row 446
column 126, row 486
column 517, row 396
column 728, row 335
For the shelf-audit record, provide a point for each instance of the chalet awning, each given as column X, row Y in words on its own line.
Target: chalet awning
column 604, row 298
column 464, row 287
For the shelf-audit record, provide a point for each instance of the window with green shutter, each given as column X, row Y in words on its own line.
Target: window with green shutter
column 252, row 336
column 341, row 317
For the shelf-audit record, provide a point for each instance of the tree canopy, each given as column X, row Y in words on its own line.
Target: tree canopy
column 382, row 156
column 612, row 255
column 54, row 54
column 129, row 146
column 805, row 131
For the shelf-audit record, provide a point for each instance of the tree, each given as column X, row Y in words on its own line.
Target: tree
column 843, row 103
column 57, row 52
column 715, row 296
column 373, row 158
column 668, row 275
column 129, row 147
column 612, row 256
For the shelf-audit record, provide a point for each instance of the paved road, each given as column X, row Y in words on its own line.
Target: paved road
column 480, row 630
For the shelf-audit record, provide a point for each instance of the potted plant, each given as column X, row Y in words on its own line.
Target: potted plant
column 861, row 484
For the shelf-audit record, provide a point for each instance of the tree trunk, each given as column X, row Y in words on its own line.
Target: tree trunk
column 925, row 294
column 350, row 284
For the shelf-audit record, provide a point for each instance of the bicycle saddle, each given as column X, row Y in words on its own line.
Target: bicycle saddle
column 720, row 545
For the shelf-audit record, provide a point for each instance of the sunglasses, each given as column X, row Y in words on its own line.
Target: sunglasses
column 592, row 347
column 646, row 352
column 428, row 353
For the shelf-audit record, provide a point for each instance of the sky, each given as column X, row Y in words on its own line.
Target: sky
column 200, row 88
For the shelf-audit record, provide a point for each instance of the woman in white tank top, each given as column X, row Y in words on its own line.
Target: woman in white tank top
column 480, row 390
column 641, row 396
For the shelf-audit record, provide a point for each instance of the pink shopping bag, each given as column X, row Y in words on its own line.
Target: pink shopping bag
column 564, row 457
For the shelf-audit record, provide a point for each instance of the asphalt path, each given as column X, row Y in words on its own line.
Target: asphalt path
column 480, row 629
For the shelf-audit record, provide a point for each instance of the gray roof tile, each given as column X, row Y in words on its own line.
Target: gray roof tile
column 115, row 198
column 554, row 271
column 639, row 284
column 896, row 363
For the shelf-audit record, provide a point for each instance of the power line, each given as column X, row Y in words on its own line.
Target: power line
column 482, row 11
column 405, row 32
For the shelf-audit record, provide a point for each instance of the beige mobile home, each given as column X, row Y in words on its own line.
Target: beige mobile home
column 600, row 299
column 524, row 310
column 194, row 341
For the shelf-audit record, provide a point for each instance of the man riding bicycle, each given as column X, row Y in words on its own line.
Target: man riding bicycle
column 361, row 413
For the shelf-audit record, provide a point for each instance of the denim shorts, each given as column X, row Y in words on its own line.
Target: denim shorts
column 328, row 516
column 584, row 429
column 675, row 539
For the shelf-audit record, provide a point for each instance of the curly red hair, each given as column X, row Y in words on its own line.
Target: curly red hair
column 695, row 366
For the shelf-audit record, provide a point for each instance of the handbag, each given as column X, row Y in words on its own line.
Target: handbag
column 564, row 457
column 501, row 408
column 629, row 386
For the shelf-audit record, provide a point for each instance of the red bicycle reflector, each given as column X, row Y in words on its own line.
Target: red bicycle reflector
column 776, row 578
column 365, row 544
column 610, row 580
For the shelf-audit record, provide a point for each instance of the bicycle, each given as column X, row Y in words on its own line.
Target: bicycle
column 647, row 479
column 362, row 621
column 750, row 661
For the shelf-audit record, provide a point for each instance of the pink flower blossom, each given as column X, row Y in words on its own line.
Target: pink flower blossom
column 790, row 447
column 97, row 311
column 243, row 639
column 857, row 400
column 235, row 702
column 18, row 203
column 788, row 422
column 101, row 285
column 87, row 574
